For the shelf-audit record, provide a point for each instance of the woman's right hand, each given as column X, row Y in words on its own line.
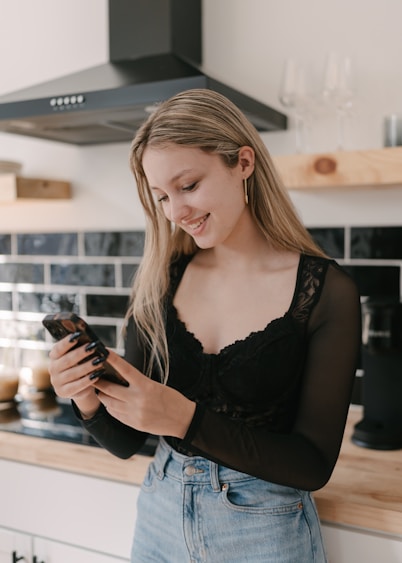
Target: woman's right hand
column 70, row 378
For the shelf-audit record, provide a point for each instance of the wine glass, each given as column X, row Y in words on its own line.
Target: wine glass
column 295, row 94
column 339, row 90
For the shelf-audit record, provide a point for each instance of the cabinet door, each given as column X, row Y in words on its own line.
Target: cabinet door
column 50, row 508
column 47, row 551
column 351, row 545
column 14, row 547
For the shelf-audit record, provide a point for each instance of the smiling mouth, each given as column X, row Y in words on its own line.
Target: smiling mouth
column 195, row 226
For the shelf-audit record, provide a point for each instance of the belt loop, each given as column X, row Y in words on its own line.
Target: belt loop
column 162, row 456
column 214, row 473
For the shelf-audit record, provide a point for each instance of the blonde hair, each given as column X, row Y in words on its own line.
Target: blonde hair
column 206, row 120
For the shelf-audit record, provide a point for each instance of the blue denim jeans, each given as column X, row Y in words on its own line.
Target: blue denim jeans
column 191, row 510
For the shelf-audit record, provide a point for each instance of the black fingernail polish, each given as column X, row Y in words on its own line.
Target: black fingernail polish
column 74, row 336
column 102, row 350
column 91, row 346
column 97, row 373
column 98, row 360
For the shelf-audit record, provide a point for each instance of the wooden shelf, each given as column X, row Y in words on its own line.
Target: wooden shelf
column 13, row 188
column 342, row 169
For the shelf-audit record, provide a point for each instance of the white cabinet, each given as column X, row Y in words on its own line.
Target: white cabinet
column 90, row 520
column 48, row 551
column 16, row 547
column 348, row 545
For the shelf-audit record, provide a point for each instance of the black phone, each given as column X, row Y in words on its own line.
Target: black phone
column 62, row 324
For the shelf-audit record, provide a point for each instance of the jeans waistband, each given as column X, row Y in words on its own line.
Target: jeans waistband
column 194, row 469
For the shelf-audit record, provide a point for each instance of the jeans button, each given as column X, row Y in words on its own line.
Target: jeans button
column 190, row 470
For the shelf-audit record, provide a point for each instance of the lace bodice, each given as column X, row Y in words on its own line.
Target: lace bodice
column 257, row 378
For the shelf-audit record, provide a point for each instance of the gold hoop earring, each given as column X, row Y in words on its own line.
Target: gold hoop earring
column 245, row 191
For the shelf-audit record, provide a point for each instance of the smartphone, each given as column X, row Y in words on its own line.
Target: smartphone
column 62, row 324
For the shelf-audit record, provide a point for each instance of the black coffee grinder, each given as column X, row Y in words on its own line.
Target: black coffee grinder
column 381, row 426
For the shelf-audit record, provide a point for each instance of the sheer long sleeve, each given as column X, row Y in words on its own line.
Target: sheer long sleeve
column 119, row 439
column 305, row 456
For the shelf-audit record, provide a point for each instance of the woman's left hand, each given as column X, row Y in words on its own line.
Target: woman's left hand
column 145, row 405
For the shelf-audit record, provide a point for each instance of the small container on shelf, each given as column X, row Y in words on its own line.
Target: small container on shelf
column 34, row 371
column 9, row 374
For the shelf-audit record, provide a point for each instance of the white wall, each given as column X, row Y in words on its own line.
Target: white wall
column 245, row 44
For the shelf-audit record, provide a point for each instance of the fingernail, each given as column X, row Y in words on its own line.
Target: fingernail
column 75, row 335
column 91, row 346
column 98, row 360
column 96, row 374
column 102, row 350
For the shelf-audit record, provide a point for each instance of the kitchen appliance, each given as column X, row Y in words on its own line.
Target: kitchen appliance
column 381, row 426
column 393, row 130
column 155, row 51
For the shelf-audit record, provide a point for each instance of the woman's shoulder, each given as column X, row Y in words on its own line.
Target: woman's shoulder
column 330, row 275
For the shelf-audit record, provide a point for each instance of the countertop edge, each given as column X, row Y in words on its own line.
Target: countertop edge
column 76, row 458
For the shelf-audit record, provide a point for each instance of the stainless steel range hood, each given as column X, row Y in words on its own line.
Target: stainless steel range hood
column 155, row 51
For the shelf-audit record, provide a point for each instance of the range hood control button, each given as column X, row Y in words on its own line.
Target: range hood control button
column 62, row 102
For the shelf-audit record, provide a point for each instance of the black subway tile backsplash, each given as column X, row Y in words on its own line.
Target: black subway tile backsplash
column 108, row 334
column 21, row 273
column 128, row 273
column 376, row 281
column 91, row 274
column 31, row 330
column 102, row 275
column 330, row 240
column 58, row 244
column 6, row 301
column 376, row 242
column 47, row 303
column 114, row 244
column 5, row 244
column 107, row 305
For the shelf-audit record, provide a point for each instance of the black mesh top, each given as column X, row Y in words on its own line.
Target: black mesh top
column 274, row 404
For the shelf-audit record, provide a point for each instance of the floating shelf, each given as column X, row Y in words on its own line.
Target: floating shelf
column 14, row 188
column 341, row 169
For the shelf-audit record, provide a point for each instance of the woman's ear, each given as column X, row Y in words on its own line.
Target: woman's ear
column 246, row 160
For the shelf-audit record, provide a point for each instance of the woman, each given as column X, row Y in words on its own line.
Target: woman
column 241, row 347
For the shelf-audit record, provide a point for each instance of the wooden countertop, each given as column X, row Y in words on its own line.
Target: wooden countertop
column 365, row 489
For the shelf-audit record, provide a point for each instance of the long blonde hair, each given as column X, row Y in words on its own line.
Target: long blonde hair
column 206, row 120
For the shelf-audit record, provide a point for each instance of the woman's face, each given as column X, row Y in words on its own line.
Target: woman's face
column 198, row 192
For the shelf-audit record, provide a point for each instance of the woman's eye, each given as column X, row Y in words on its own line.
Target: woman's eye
column 162, row 198
column 189, row 188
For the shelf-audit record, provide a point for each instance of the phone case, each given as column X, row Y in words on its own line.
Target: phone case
column 60, row 325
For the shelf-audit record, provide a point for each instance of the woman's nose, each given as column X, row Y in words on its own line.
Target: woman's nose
column 177, row 210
